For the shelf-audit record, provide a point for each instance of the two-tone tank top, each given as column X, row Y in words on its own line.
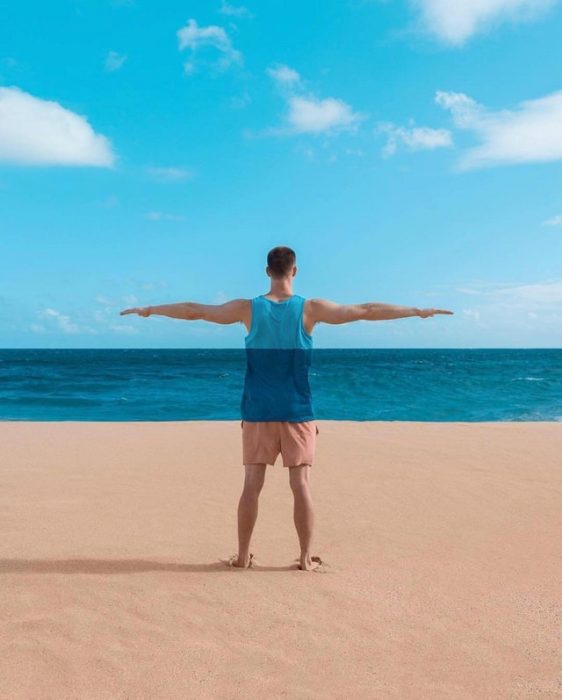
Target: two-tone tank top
column 278, row 357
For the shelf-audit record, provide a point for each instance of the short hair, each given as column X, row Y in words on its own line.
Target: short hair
column 281, row 260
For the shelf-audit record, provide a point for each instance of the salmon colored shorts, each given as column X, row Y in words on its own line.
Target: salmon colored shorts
column 263, row 441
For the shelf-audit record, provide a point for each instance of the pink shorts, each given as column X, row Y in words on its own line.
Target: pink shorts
column 263, row 441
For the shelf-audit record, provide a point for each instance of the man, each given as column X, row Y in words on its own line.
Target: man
column 276, row 407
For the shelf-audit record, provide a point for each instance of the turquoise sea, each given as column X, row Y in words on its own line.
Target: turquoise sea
column 357, row 384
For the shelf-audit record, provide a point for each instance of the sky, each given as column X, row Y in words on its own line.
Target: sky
column 409, row 151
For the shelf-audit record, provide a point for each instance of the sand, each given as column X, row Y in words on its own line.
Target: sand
column 443, row 574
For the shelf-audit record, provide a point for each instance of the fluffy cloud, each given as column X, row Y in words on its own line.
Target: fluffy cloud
column 314, row 116
column 195, row 38
column 62, row 320
column 102, row 319
column 307, row 114
column 114, row 61
column 283, row 75
column 42, row 132
column 413, row 138
column 455, row 22
column 530, row 133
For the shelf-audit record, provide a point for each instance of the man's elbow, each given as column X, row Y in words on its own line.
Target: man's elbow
column 191, row 312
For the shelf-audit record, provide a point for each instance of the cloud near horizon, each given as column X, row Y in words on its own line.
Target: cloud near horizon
column 455, row 22
column 42, row 132
column 531, row 307
column 544, row 293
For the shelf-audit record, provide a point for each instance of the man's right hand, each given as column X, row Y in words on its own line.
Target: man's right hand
column 425, row 313
column 140, row 310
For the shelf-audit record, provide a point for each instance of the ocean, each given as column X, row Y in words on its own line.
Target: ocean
column 354, row 384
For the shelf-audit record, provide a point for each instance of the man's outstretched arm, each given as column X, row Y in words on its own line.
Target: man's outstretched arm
column 324, row 311
column 229, row 312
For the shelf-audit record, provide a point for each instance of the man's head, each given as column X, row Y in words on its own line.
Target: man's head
column 281, row 262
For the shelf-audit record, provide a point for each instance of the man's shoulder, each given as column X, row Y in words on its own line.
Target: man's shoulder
column 313, row 304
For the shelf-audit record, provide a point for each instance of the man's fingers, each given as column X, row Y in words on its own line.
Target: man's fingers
column 427, row 313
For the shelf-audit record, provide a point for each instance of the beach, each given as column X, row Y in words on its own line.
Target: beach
column 442, row 574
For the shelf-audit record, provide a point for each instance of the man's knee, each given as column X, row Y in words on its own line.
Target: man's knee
column 255, row 477
column 253, row 488
column 298, row 478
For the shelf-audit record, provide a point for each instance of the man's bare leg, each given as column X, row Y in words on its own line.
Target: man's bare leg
column 303, row 513
column 248, row 510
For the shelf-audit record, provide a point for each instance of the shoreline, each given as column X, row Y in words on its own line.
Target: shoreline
column 7, row 421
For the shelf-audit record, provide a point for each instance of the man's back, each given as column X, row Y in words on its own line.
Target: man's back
column 278, row 357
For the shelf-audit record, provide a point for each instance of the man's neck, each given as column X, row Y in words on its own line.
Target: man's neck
column 281, row 288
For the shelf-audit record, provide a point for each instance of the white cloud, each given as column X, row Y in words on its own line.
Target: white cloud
column 472, row 313
column 42, row 132
column 149, row 286
column 530, row 133
column 195, row 38
column 553, row 221
column 454, row 22
column 63, row 322
column 123, row 330
column 538, row 294
column 283, row 74
column 170, row 174
column 234, row 11
column 307, row 114
column 533, row 310
column 311, row 115
column 114, row 61
column 163, row 216
column 542, row 293
column 415, row 138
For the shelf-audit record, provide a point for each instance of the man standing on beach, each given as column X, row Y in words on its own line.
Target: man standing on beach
column 276, row 408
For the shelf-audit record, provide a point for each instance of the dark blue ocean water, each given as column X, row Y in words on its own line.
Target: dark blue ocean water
column 160, row 385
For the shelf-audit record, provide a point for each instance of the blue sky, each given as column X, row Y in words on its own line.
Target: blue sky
column 410, row 152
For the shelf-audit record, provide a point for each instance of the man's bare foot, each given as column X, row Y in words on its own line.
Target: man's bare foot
column 241, row 563
column 310, row 563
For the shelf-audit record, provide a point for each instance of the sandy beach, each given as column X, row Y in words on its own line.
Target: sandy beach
column 443, row 574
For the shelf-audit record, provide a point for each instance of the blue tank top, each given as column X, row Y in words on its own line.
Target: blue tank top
column 278, row 357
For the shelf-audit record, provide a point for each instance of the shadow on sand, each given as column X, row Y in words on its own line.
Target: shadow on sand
column 120, row 566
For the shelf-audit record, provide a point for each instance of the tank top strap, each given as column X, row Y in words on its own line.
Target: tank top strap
column 258, row 307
